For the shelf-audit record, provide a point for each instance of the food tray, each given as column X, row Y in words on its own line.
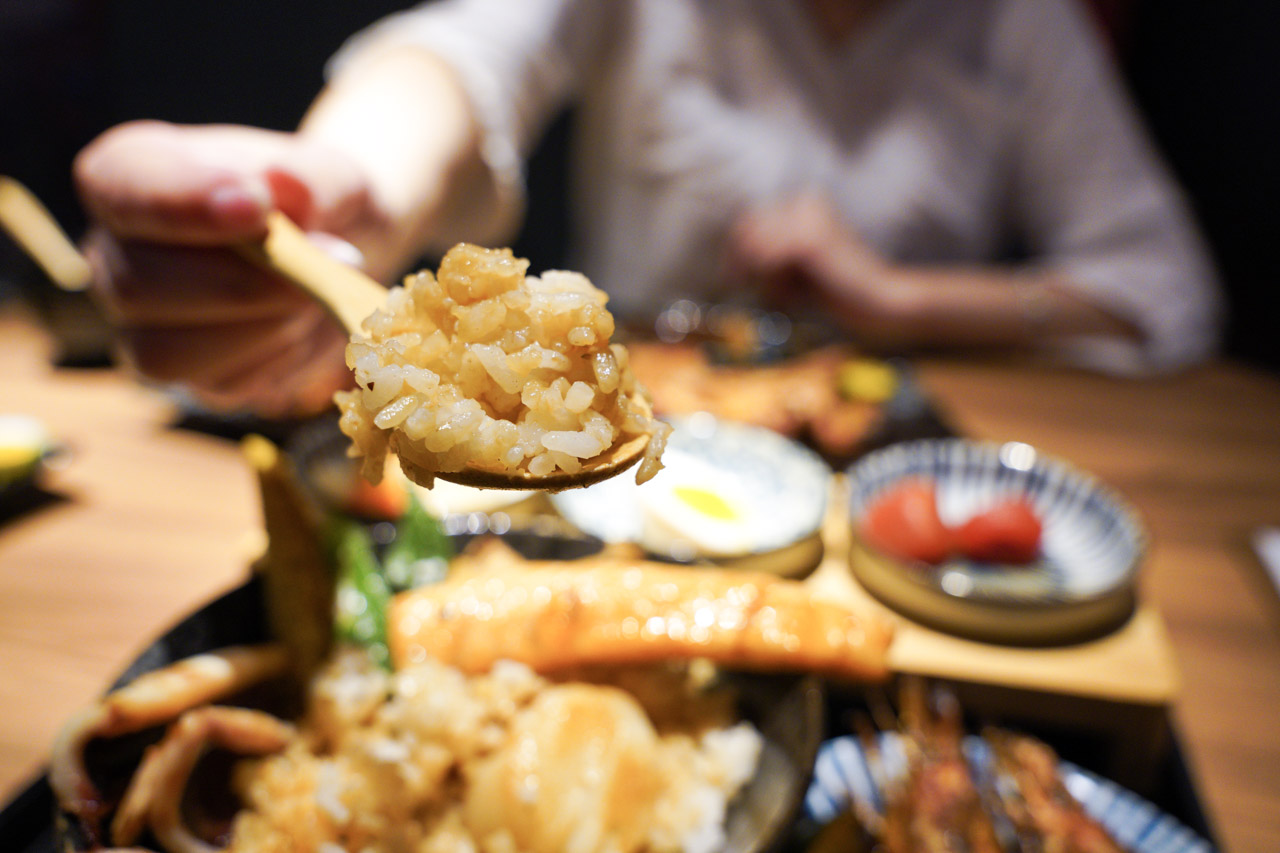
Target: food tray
column 27, row 820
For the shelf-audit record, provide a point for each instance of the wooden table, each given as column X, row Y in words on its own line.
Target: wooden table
column 148, row 523
column 1199, row 456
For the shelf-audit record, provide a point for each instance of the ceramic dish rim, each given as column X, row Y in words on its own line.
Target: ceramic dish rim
column 924, row 575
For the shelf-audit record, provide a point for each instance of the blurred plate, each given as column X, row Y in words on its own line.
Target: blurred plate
column 830, row 398
column 319, row 450
column 1092, row 544
column 788, row 710
column 729, row 493
column 843, row 776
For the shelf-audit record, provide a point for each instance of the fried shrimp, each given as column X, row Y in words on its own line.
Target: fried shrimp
column 939, row 806
column 154, row 796
column 152, row 699
column 1038, row 803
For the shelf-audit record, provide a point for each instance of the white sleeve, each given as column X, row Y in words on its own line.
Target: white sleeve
column 1092, row 199
column 519, row 62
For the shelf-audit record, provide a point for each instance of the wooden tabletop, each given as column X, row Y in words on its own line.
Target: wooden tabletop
column 146, row 523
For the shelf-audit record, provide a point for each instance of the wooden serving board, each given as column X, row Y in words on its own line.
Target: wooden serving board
column 1133, row 664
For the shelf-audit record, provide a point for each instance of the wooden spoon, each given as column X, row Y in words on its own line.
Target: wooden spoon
column 345, row 292
column 34, row 228
column 351, row 296
column 624, row 453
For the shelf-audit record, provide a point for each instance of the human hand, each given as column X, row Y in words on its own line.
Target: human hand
column 167, row 203
column 800, row 254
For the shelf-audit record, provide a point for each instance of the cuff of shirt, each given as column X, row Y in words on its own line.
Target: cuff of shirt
column 1179, row 323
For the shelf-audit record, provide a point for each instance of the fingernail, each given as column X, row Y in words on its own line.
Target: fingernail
column 240, row 202
column 337, row 248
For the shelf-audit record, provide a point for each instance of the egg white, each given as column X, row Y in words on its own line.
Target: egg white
column 697, row 510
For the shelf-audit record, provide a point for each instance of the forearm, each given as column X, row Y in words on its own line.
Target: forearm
column 803, row 248
column 901, row 305
column 985, row 306
column 401, row 116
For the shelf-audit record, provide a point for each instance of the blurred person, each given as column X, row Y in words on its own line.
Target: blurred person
column 927, row 173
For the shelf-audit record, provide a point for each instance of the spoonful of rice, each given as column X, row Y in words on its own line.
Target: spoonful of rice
column 479, row 374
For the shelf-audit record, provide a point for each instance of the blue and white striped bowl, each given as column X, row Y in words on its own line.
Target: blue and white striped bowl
column 1091, row 546
column 842, row 776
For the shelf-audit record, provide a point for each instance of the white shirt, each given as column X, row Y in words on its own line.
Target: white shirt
column 942, row 131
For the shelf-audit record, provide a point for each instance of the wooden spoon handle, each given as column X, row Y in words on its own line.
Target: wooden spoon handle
column 348, row 294
column 34, row 229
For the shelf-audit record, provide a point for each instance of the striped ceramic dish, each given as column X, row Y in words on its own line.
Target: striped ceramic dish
column 843, row 776
column 1091, row 546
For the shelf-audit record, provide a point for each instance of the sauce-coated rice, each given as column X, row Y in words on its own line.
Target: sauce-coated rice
column 481, row 366
column 428, row 759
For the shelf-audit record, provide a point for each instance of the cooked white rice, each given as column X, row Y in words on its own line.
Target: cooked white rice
column 484, row 367
column 429, row 759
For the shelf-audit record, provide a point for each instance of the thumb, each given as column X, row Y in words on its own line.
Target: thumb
column 289, row 194
column 324, row 223
column 172, row 184
column 318, row 187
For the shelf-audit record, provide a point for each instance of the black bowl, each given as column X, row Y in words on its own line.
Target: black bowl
column 786, row 709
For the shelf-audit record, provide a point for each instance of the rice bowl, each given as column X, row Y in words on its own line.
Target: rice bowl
column 428, row 759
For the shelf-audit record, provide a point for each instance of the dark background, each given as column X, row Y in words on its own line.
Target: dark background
column 1205, row 73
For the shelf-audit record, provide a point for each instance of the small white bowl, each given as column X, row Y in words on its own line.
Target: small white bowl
column 769, row 491
column 1081, row 585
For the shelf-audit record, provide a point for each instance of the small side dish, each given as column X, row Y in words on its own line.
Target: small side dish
column 993, row 541
column 829, row 398
column 922, row 783
column 481, row 367
column 732, row 495
column 25, row 444
column 24, row 441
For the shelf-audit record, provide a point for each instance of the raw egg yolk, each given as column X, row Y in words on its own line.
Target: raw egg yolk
column 706, row 502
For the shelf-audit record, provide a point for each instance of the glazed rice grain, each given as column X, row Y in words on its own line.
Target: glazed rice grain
column 428, row 759
column 481, row 366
